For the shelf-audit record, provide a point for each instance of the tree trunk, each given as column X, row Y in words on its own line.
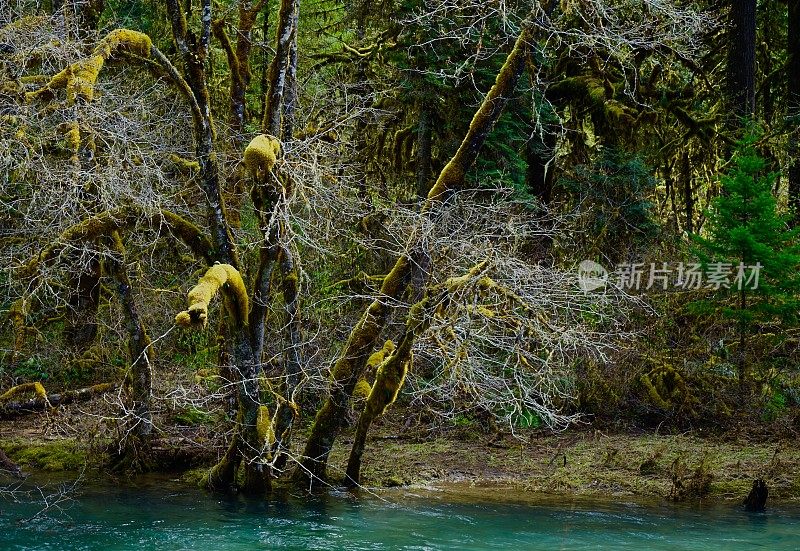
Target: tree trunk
column 741, row 68
column 292, row 360
column 278, row 69
column 540, row 156
column 290, row 101
column 363, row 338
column 246, row 445
column 139, row 380
column 793, row 104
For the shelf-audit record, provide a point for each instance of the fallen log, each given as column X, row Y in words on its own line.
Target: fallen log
column 42, row 402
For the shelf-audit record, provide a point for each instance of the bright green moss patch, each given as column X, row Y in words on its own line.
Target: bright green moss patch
column 54, row 455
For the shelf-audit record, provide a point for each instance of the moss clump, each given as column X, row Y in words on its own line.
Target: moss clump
column 184, row 165
column 260, row 156
column 200, row 296
column 124, row 40
column 362, row 390
column 58, row 455
column 377, row 358
column 73, row 137
column 666, row 388
column 196, row 477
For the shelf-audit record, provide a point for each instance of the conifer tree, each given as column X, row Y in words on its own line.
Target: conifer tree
column 749, row 238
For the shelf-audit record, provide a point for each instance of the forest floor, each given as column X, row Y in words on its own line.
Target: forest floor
column 581, row 462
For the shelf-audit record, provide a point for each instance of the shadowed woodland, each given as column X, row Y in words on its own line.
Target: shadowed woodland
column 248, row 232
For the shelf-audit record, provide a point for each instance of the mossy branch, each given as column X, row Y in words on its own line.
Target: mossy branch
column 219, row 276
column 15, row 391
column 42, row 402
column 79, row 79
column 452, row 176
column 108, row 222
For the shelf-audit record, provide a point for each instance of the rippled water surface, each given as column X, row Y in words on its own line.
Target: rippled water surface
column 163, row 515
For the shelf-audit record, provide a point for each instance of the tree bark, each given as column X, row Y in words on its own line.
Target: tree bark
column 139, row 381
column 278, row 69
column 793, row 104
column 741, row 63
column 290, row 100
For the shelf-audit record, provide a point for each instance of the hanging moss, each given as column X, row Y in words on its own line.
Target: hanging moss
column 218, row 276
column 377, row 358
column 73, row 137
column 260, row 156
column 362, row 390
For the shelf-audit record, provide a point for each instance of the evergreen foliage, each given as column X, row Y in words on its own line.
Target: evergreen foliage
column 614, row 196
column 745, row 229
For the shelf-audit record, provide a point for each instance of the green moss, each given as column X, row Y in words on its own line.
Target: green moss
column 260, row 156
column 218, row 276
column 56, row 455
column 196, row 477
column 266, row 435
column 79, row 79
column 362, row 390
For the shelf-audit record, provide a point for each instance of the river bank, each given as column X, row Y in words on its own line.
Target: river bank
column 587, row 463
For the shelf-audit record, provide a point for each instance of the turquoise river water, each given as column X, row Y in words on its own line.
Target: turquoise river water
column 162, row 515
